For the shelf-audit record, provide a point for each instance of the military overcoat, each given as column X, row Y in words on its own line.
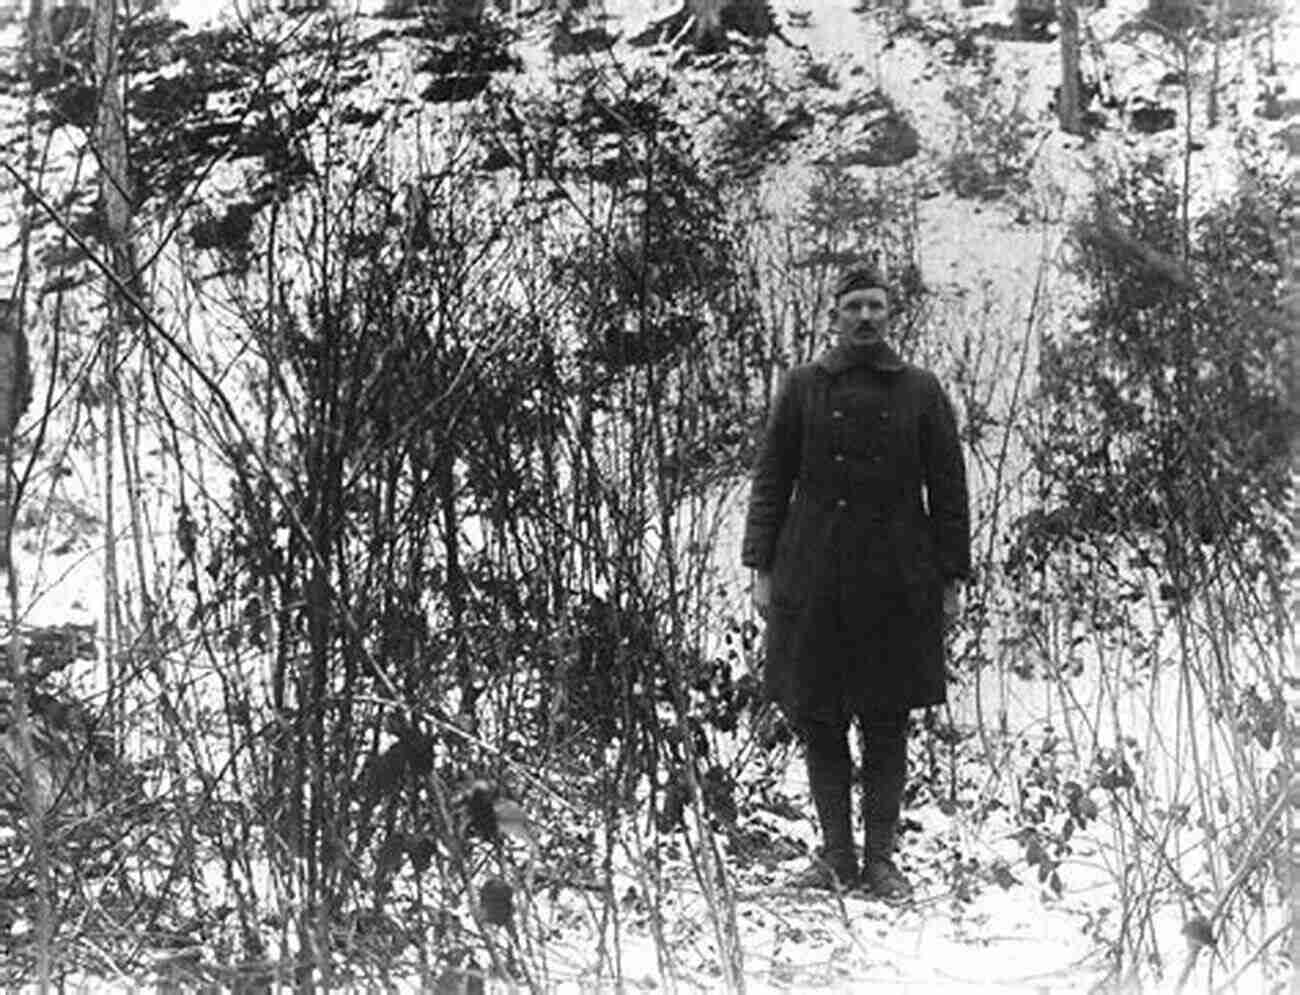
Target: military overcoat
column 858, row 508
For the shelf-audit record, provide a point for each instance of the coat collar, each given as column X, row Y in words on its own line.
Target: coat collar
column 878, row 356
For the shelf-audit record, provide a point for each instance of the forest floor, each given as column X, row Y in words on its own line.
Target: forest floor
column 974, row 924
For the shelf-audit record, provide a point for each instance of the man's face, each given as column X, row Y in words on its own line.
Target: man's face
column 863, row 315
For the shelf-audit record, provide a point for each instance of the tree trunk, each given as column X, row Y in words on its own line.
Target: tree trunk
column 1186, row 194
column 708, row 18
column 115, row 208
column 14, row 381
column 704, row 23
column 15, row 387
column 1212, row 111
column 1067, row 107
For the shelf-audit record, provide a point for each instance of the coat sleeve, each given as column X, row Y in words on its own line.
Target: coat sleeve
column 945, row 484
column 773, row 477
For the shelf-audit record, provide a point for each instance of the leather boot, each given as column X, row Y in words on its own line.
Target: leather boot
column 880, row 875
column 884, row 752
column 830, row 778
column 835, row 865
column 883, row 879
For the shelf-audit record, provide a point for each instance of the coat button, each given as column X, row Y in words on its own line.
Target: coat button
column 841, row 503
column 839, row 457
column 837, row 413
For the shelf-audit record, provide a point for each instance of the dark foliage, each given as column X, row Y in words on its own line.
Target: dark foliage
column 1035, row 20
column 738, row 24
column 1168, row 421
column 1148, row 118
column 993, row 150
column 463, row 62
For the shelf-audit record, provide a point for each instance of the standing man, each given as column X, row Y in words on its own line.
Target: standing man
column 858, row 533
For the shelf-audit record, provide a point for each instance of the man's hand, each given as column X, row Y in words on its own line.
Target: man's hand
column 761, row 592
column 951, row 601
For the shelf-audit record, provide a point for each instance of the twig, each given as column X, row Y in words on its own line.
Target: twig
column 1243, row 870
column 1231, row 983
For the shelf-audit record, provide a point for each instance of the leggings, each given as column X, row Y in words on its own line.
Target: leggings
column 884, row 764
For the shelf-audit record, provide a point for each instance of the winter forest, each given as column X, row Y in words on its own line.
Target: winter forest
column 380, row 385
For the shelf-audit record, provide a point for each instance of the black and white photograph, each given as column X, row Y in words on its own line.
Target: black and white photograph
column 649, row 497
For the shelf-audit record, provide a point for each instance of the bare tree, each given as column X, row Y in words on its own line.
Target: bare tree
column 114, row 205
column 15, row 387
column 1067, row 107
column 1216, row 72
column 14, row 391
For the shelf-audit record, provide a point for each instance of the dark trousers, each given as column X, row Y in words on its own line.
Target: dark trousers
column 830, row 775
